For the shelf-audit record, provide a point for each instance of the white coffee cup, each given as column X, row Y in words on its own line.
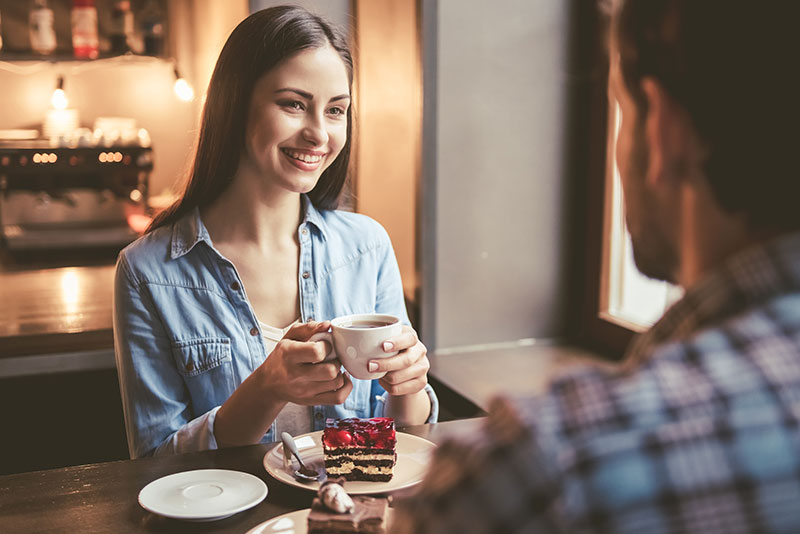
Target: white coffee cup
column 357, row 339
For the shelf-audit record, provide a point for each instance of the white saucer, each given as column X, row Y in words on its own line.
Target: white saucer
column 202, row 494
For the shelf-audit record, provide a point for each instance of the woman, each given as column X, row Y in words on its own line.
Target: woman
column 216, row 303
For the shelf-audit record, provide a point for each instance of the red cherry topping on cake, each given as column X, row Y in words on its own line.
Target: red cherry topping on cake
column 377, row 432
column 340, row 438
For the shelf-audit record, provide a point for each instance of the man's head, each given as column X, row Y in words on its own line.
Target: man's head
column 723, row 75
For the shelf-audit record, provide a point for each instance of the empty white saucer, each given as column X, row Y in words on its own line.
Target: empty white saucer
column 202, row 494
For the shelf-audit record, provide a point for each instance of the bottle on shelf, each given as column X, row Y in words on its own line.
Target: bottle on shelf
column 152, row 25
column 40, row 28
column 122, row 38
column 85, row 42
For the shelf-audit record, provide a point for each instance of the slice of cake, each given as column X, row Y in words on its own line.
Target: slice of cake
column 360, row 449
column 334, row 511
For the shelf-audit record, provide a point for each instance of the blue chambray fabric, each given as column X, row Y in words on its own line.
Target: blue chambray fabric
column 185, row 335
column 698, row 432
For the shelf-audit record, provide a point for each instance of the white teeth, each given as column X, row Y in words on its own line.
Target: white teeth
column 307, row 158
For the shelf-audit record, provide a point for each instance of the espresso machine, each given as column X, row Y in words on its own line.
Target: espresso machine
column 57, row 197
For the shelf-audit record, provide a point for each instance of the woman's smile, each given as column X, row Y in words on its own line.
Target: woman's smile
column 306, row 160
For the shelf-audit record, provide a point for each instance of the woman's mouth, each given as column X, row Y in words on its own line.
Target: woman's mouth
column 303, row 160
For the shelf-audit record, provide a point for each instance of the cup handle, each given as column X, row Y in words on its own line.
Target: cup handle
column 325, row 336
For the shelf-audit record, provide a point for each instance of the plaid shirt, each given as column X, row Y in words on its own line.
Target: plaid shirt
column 697, row 432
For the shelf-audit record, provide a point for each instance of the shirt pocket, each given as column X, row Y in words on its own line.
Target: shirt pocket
column 206, row 365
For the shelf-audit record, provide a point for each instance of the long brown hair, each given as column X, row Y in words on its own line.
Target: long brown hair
column 255, row 46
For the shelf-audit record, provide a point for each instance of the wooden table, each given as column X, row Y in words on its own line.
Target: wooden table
column 103, row 497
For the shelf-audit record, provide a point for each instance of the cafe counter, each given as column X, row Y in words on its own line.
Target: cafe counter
column 61, row 316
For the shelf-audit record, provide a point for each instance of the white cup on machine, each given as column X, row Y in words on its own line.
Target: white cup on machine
column 357, row 339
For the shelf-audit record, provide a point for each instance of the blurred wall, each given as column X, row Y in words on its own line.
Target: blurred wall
column 494, row 229
column 334, row 11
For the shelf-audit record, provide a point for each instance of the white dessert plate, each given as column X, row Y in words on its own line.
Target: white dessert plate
column 292, row 523
column 413, row 455
column 202, row 494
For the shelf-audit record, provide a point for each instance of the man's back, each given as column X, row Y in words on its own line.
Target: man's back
column 697, row 433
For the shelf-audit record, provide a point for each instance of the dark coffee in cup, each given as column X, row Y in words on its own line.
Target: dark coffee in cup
column 367, row 324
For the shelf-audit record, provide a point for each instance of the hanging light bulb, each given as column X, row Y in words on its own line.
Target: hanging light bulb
column 59, row 98
column 182, row 88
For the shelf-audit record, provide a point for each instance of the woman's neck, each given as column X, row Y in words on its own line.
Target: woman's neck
column 247, row 213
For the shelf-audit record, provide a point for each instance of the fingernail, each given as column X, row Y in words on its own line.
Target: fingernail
column 388, row 346
column 373, row 366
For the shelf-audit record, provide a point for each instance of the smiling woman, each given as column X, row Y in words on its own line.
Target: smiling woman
column 204, row 363
column 298, row 121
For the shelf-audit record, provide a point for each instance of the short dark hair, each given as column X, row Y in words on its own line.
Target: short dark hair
column 256, row 45
column 733, row 65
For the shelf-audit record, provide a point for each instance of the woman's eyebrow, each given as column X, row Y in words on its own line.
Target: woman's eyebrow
column 309, row 96
column 304, row 94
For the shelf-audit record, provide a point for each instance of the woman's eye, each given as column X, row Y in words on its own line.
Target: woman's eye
column 336, row 111
column 293, row 104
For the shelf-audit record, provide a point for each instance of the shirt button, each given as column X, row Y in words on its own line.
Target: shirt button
column 190, row 366
column 235, row 286
column 304, row 231
column 306, row 274
column 254, row 331
column 309, row 319
column 318, row 416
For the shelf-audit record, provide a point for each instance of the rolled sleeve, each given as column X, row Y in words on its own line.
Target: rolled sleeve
column 433, row 416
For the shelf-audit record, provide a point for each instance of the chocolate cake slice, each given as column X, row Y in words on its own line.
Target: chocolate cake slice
column 335, row 512
column 360, row 449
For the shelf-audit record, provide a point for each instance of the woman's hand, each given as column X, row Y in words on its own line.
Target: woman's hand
column 407, row 371
column 295, row 370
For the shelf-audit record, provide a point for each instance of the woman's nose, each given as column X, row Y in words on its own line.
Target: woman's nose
column 314, row 131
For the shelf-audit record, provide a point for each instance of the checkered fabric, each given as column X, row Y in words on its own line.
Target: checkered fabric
column 696, row 433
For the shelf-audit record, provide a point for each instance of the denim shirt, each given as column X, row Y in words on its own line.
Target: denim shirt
column 186, row 336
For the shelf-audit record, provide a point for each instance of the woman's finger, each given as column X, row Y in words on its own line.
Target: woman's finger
column 406, row 339
column 402, row 360
column 317, row 372
column 404, row 388
column 304, row 331
column 336, row 395
column 301, row 352
column 417, row 369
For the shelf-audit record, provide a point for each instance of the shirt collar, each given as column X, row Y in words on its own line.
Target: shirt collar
column 747, row 279
column 187, row 232
column 190, row 230
column 313, row 216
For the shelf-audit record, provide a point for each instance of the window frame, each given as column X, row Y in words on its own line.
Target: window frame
column 598, row 330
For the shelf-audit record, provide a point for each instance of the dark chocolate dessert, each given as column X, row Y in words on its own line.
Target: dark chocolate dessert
column 335, row 512
column 360, row 449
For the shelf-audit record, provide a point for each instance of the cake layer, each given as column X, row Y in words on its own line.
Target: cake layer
column 362, row 452
column 377, row 474
column 338, row 462
column 365, row 458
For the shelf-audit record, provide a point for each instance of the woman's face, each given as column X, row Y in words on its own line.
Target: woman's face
column 297, row 122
